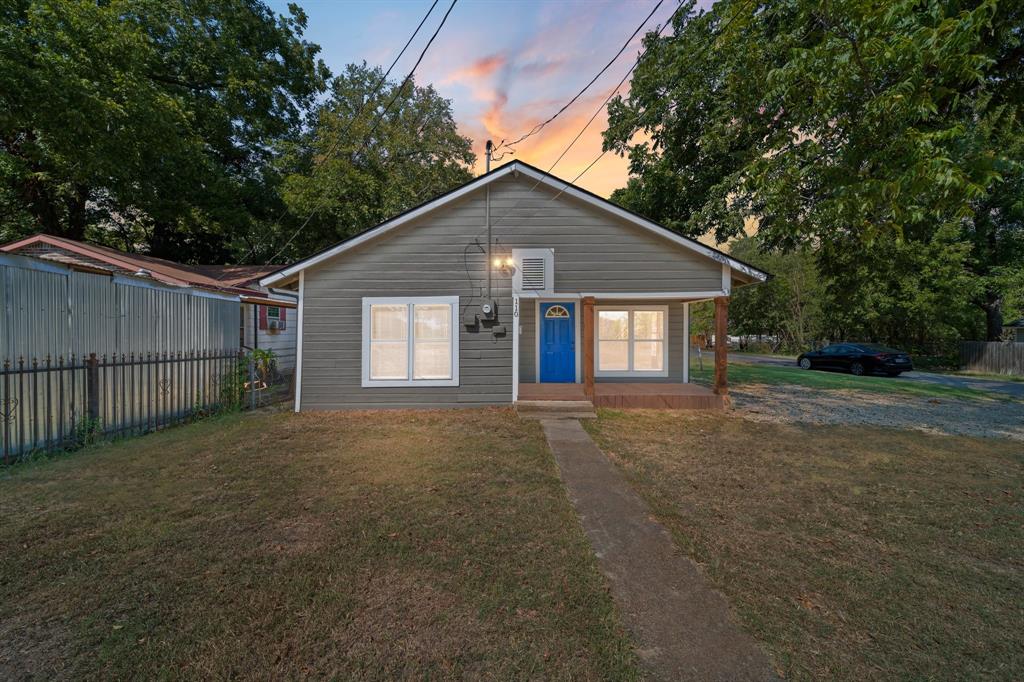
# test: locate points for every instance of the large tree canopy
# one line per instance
(853, 127)
(352, 170)
(159, 116)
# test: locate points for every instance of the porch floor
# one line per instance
(626, 395)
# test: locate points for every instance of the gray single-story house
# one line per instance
(515, 286)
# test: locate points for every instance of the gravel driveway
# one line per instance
(792, 403)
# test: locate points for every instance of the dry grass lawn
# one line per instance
(850, 553)
(399, 545)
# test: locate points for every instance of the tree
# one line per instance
(352, 170)
(861, 124)
(165, 109)
(789, 306)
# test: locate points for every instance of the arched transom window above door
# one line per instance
(556, 311)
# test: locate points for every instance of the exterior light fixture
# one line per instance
(506, 266)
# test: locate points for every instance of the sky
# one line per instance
(506, 65)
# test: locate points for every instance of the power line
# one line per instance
(382, 79)
(359, 113)
(380, 117)
(587, 125)
(537, 128)
(607, 99)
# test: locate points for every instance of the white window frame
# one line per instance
(663, 372)
(451, 301)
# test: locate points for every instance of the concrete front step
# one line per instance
(555, 409)
(555, 405)
(538, 414)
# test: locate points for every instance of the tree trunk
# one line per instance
(61, 216)
(993, 307)
(162, 241)
(40, 205)
(75, 228)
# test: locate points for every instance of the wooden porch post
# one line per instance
(721, 344)
(588, 346)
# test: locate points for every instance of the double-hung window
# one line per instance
(632, 341)
(410, 341)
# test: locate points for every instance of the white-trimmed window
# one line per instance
(411, 341)
(631, 341)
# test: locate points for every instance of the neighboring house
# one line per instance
(268, 327)
(1015, 330)
(570, 297)
(262, 322)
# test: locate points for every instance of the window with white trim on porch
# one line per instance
(631, 341)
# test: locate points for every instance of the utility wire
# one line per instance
(338, 140)
(587, 125)
(601, 155)
(367, 139)
(537, 128)
(376, 88)
(566, 186)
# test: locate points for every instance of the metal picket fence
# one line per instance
(59, 403)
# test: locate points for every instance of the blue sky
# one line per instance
(505, 64)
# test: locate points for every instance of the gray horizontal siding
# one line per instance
(594, 252)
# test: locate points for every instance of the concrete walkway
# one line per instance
(680, 624)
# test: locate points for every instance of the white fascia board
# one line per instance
(298, 344)
(655, 295)
(561, 186)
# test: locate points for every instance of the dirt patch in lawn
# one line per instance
(789, 403)
(851, 552)
(369, 545)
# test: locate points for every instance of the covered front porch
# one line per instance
(647, 368)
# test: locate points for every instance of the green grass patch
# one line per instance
(387, 545)
(743, 373)
(850, 553)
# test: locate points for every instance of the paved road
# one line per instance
(1013, 388)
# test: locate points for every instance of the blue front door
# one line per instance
(557, 342)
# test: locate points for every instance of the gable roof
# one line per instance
(233, 278)
(542, 177)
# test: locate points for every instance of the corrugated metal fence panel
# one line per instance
(164, 320)
(147, 322)
(48, 309)
(95, 314)
(36, 316)
(5, 323)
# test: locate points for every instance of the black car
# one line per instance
(857, 358)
